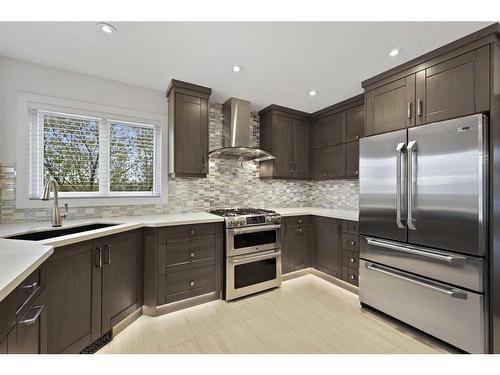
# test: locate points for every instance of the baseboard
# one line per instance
(180, 305)
(340, 283)
(127, 321)
(295, 274)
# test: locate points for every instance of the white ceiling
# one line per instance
(281, 61)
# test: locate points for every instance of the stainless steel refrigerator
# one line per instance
(423, 224)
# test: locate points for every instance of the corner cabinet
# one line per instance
(285, 133)
(91, 286)
(188, 116)
(444, 87)
(335, 134)
(296, 244)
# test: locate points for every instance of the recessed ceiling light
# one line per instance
(107, 28)
(236, 68)
(312, 93)
(394, 52)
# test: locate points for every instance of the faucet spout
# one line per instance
(56, 212)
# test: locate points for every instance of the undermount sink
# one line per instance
(52, 233)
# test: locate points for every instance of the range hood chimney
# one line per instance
(236, 134)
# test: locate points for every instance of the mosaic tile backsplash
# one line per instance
(229, 184)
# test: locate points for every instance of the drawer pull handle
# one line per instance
(353, 277)
(451, 292)
(353, 260)
(191, 283)
(31, 321)
(300, 230)
(352, 243)
(191, 254)
(30, 286)
(415, 251)
(300, 221)
(192, 232)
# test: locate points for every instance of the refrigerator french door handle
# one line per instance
(412, 148)
(399, 149)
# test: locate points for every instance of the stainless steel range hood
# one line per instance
(236, 134)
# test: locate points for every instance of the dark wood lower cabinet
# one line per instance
(74, 308)
(122, 286)
(327, 254)
(295, 252)
(29, 334)
(3, 347)
(91, 286)
(182, 262)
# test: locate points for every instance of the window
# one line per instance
(93, 156)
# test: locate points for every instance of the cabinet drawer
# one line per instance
(351, 259)
(350, 227)
(181, 232)
(25, 337)
(183, 282)
(23, 296)
(293, 221)
(350, 242)
(189, 251)
(351, 275)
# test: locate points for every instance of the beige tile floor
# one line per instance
(305, 315)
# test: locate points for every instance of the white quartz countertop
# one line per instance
(18, 259)
(325, 212)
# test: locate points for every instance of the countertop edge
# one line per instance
(13, 284)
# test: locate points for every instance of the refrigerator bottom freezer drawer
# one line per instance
(451, 314)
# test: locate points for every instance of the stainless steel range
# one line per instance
(252, 250)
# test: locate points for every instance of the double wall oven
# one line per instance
(252, 251)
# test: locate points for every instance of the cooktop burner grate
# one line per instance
(228, 212)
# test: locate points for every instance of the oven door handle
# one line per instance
(252, 229)
(255, 258)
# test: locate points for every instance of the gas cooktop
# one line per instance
(242, 217)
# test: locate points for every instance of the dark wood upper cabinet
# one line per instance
(327, 131)
(353, 125)
(438, 86)
(285, 133)
(300, 148)
(336, 131)
(121, 277)
(391, 106)
(327, 163)
(188, 115)
(350, 155)
(454, 88)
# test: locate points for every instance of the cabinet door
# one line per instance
(391, 106)
(121, 278)
(353, 126)
(287, 252)
(191, 134)
(301, 253)
(3, 347)
(327, 131)
(351, 160)
(301, 148)
(26, 336)
(454, 88)
(327, 256)
(73, 278)
(282, 146)
(328, 163)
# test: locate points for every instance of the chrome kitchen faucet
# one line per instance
(56, 212)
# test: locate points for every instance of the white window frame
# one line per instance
(29, 102)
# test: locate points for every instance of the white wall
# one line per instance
(19, 76)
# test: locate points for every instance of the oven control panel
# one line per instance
(253, 220)
(244, 221)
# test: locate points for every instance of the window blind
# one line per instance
(93, 155)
